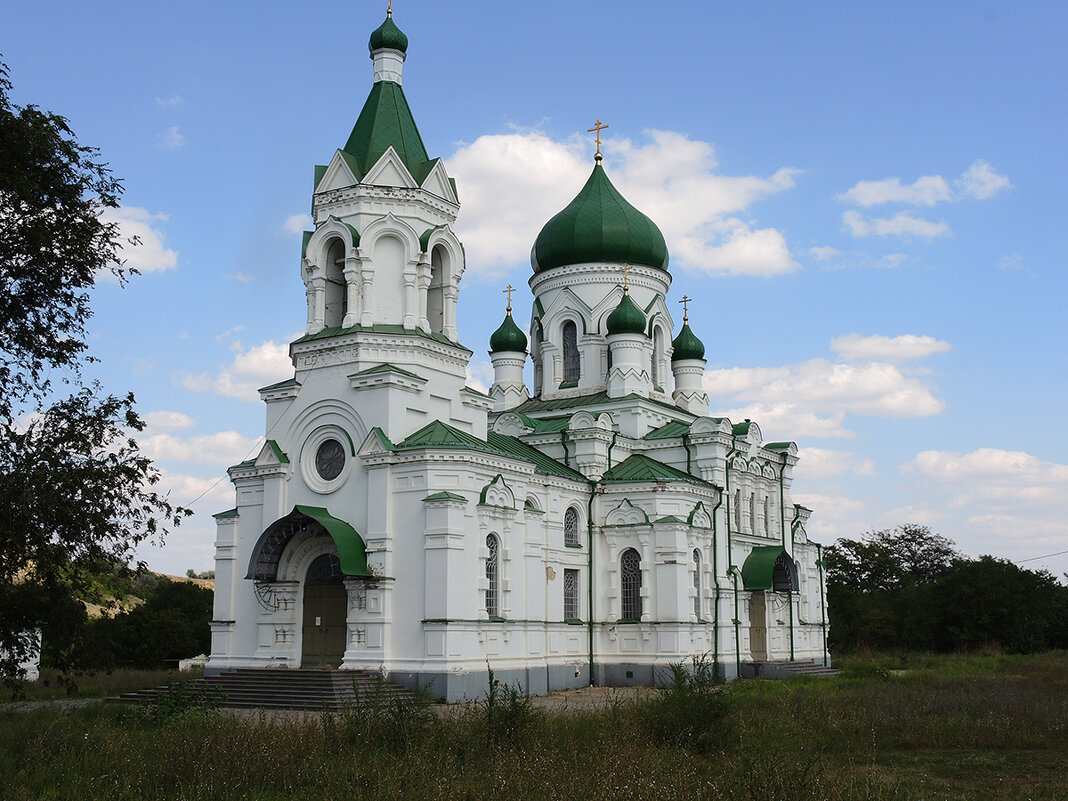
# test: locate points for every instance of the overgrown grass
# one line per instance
(939, 732)
(96, 684)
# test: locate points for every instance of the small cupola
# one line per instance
(508, 354)
(626, 318)
(389, 48)
(688, 367)
(686, 345)
(508, 338)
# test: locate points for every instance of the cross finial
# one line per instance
(600, 126)
(389, 8)
(685, 309)
(626, 290)
(509, 292)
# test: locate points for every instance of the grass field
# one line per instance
(988, 728)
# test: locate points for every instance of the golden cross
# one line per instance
(509, 292)
(625, 268)
(598, 127)
(685, 308)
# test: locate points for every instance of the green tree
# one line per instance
(75, 487)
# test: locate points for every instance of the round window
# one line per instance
(329, 460)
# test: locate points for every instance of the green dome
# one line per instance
(508, 338)
(686, 345)
(388, 35)
(626, 318)
(599, 225)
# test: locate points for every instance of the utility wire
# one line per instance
(1043, 556)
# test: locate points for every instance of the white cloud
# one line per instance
(823, 253)
(167, 421)
(812, 398)
(927, 190)
(981, 181)
(511, 184)
(251, 369)
(480, 375)
(830, 507)
(241, 278)
(297, 223)
(854, 347)
(220, 449)
(901, 224)
(171, 139)
(141, 242)
(822, 463)
(173, 100)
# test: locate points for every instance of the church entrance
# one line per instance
(325, 610)
(758, 626)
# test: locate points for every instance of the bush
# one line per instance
(692, 712)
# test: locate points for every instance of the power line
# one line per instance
(1044, 556)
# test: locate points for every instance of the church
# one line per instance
(594, 527)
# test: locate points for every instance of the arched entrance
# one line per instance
(325, 606)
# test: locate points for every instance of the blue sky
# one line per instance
(865, 200)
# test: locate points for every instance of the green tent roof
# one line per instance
(385, 121)
(599, 225)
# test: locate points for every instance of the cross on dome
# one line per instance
(598, 127)
(509, 292)
(685, 308)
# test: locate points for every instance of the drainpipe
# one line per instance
(611, 445)
(686, 445)
(823, 604)
(715, 578)
(732, 570)
(589, 571)
(563, 444)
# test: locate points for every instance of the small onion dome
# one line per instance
(508, 338)
(388, 35)
(626, 318)
(686, 345)
(599, 225)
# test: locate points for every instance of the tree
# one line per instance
(75, 487)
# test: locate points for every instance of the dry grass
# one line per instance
(945, 729)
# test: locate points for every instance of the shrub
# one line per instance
(692, 711)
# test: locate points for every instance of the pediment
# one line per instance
(437, 183)
(338, 175)
(389, 170)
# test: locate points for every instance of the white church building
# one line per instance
(592, 528)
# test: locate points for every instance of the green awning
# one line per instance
(769, 567)
(351, 550)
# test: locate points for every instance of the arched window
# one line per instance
(571, 354)
(767, 517)
(697, 583)
(658, 352)
(752, 513)
(738, 510)
(571, 594)
(337, 296)
(571, 533)
(435, 294)
(535, 355)
(784, 575)
(493, 576)
(630, 581)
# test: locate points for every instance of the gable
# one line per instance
(339, 174)
(389, 170)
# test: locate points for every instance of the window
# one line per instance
(435, 295)
(571, 354)
(493, 575)
(752, 513)
(571, 534)
(571, 594)
(738, 510)
(767, 518)
(630, 579)
(337, 296)
(697, 583)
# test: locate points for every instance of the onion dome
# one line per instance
(687, 346)
(508, 337)
(388, 35)
(599, 225)
(626, 318)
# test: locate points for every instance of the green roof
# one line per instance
(777, 446)
(279, 454)
(759, 567)
(687, 346)
(385, 121)
(741, 429)
(639, 467)
(441, 435)
(227, 513)
(508, 337)
(599, 225)
(289, 382)
(626, 318)
(542, 463)
(386, 367)
(350, 546)
(444, 496)
(388, 35)
(587, 402)
(669, 431)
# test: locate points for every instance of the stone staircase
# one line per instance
(283, 689)
(783, 669)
